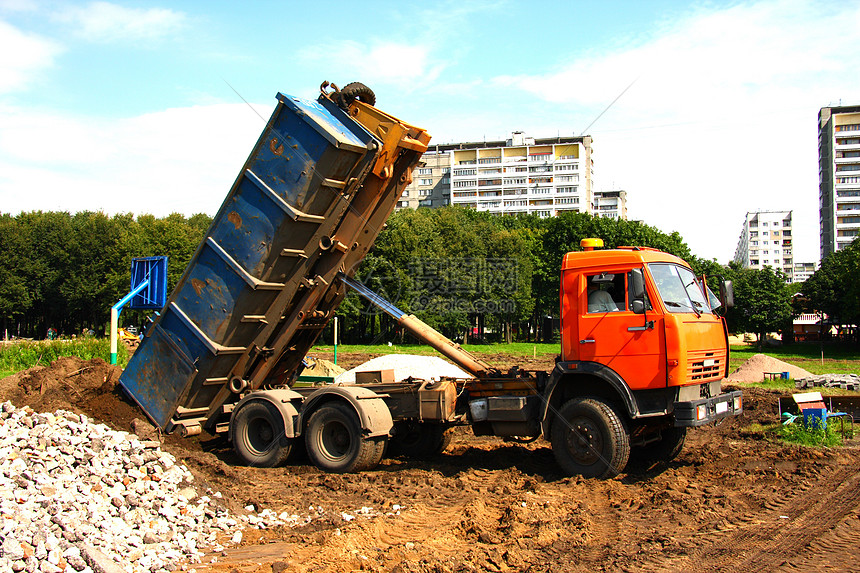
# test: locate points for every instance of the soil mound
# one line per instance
(321, 367)
(82, 386)
(753, 369)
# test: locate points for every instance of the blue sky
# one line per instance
(130, 106)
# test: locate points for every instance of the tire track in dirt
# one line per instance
(791, 523)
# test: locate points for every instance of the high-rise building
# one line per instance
(611, 204)
(765, 241)
(803, 271)
(543, 176)
(838, 176)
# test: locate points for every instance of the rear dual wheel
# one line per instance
(336, 443)
(258, 435)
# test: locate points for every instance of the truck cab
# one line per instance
(643, 351)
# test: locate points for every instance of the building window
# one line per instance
(425, 171)
(468, 183)
(573, 189)
(486, 160)
(460, 172)
(424, 192)
(425, 182)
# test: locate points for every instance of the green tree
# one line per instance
(835, 287)
(762, 302)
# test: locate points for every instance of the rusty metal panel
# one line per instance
(159, 359)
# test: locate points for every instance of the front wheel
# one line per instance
(589, 438)
(258, 435)
(335, 442)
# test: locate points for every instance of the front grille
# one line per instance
(705, 365)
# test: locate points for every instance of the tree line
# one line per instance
(64, 271)
(468, 274)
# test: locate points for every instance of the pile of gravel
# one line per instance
(78, 496)
(406, 366)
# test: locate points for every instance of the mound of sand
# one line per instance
(82, 386)
(321, 367)
(753, 369)
(407, 366)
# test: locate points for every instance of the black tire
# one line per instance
(665, 449)
(258, 435)
(420, 441)
(590, 439)
(335, 442)
(357, 90)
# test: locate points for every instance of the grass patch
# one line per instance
(815, 437)
(838, 358)
(23, 355)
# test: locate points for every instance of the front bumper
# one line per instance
(707, 410)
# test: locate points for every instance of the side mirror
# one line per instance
(637, 285)
(727, 294)
(638, 306)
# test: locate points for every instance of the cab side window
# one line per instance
(606, 292)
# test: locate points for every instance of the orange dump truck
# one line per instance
(642, 350)
(642, 355)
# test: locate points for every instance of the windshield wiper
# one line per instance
(679, 305)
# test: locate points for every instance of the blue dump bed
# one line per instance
(308, 203)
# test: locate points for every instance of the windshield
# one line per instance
(678, 288)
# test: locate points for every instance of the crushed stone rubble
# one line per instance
(76, 496)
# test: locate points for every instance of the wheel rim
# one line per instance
(335, 440)
(584, 441)
(260, 435)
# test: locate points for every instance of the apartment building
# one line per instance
(542, 176)
(611, 204)
(765, 241)
(803, 271)
(838, 177)
(431, 182)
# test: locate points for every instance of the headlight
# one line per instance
(737, 403)
(701, 412)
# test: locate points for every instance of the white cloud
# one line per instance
(178, 160)
(23, 57)
(375, 63)
(722, 118)
(18, 5)
(106, 22)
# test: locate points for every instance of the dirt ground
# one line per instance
(731, 501)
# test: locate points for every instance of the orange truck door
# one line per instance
(611, 334)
